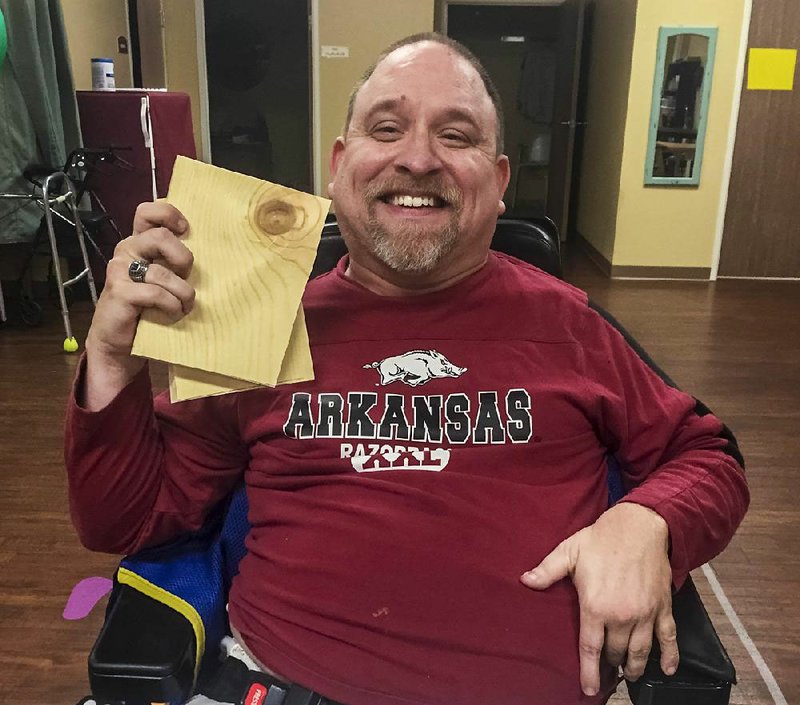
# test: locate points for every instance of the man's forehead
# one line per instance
(424, 59)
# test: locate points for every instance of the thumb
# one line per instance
(556, 565)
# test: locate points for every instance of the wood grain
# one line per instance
(297, 366)
(254, 244)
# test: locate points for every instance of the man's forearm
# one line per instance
(106, 376)
(703, 497)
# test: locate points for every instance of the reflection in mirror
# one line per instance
(683, 76)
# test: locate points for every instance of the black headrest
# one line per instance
(533, 241)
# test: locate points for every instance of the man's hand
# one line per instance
(621, 570)
(110, 365)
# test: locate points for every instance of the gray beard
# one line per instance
(412, 249)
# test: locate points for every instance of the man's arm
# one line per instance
(141, 474)
(687, 496)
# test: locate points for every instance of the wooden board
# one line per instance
(189, 383)
(254, 244)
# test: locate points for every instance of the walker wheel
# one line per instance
(70, 345)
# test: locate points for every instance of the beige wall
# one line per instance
(180, 58)
(366, 27)
(675, 226)
(92, 30)
(94, 25)
(607, 110)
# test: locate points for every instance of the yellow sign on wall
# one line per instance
(771, 69)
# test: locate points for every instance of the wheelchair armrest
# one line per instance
(705, 673)
(144, 653)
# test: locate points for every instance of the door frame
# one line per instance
(727, 167)
(202, 79)
(316, 115)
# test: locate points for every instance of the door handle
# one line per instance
(572, 123)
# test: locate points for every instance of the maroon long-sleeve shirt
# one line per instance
(448, 442)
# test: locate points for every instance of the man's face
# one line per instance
(416, 181)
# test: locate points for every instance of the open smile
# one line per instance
(414, 201)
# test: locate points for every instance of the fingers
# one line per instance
(666, 633)
(641, 641)
(158, 243)
(145, 295)
(156, 215)
(558, 564)
(640, 644)
(160, 277)
(155, 240)
(590, 646)
(162, 289)
(617, 645)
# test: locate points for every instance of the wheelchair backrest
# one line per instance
(535, 241)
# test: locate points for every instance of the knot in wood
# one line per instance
(276, 217)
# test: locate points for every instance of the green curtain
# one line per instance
(38, 113)
(3, 38)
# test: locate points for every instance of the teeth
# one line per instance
(413, 201)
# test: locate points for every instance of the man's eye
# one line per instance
(455, 138)
(385, 132)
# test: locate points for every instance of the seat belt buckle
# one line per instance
(261, 691)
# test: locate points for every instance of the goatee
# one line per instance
(410, 246)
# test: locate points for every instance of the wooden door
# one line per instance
(565, 120)
(150, 17)
(761, 237)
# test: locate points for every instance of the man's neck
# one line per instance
(392, 283)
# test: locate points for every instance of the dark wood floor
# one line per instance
(734, 344)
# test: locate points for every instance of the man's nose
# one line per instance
(418, 153)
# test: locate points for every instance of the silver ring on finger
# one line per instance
(137, 270)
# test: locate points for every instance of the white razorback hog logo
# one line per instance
(415, 367)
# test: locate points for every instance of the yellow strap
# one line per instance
(128, 577)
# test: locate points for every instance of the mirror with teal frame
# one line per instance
(678, 116)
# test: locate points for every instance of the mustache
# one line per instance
(431, 185)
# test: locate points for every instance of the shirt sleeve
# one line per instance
(676, 457)
(142, 471)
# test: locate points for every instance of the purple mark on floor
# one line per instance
(85, 595)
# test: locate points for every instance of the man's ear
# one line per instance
(503, 176)
(335, 161)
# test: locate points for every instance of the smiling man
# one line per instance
(429, 519)
(419, 175)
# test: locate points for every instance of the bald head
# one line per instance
(459, 50)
